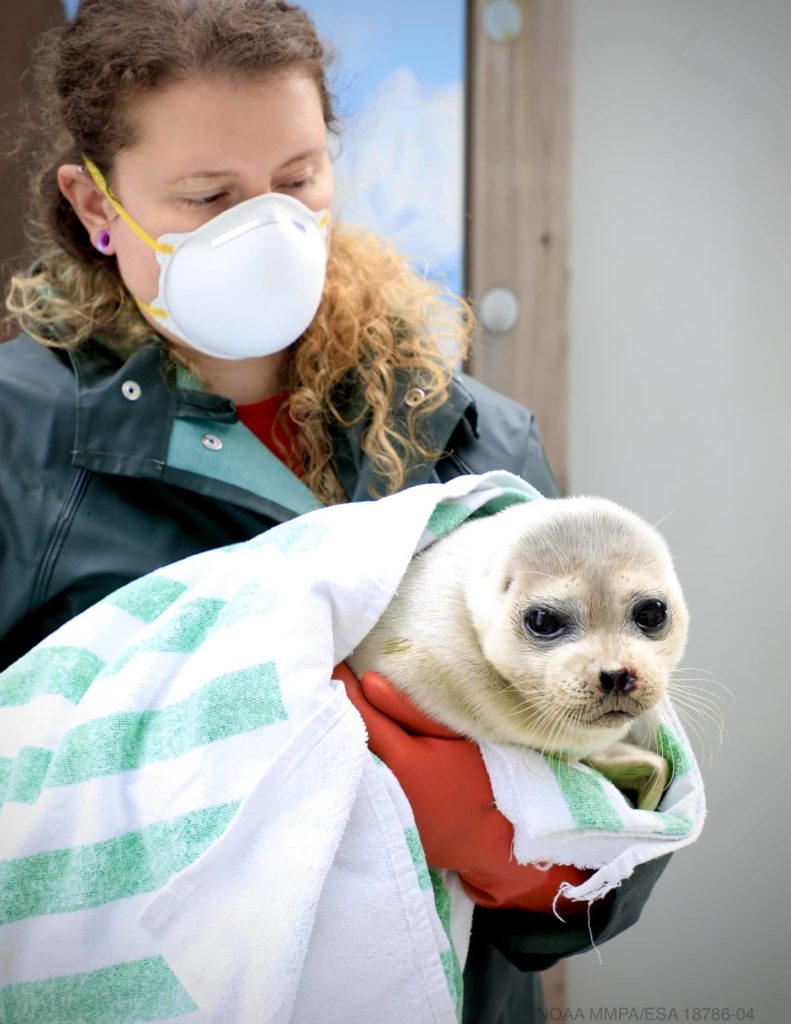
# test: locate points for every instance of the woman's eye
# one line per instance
(203, 200)
(545, 623)
(650, 615)
(296, 184)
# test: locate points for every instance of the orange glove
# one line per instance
(447, 785)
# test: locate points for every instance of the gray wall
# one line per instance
(681, 409)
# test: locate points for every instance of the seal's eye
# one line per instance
(650, 615)
(545, 623)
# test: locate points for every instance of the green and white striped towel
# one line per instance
(192, 827)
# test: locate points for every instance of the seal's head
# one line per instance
(576, 606)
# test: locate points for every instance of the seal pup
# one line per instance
(553, 624)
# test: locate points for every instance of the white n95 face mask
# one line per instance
(246, 283)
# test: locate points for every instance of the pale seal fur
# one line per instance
(553, 624)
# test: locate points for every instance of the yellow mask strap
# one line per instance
(154, 311)
(107, 192)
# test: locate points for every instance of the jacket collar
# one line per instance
(126, 409)
(358, 476)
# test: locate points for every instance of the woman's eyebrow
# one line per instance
(200, 174)
(304, 155)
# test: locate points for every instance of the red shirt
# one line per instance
(259, 417)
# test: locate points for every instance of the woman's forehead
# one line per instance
(222, 125)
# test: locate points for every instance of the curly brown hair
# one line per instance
(378, 320)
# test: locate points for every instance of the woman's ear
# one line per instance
(90, 206)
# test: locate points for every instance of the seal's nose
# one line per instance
(617, 682)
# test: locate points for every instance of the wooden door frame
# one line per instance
(517, 206)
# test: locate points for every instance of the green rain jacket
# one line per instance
(112, 468)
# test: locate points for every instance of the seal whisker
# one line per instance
(698, 699)
(659, 522)
(688, 677)
(686, 688)
(691, 709)
(685, 669)
(549, 717)
(691, 722)
(709, 711)
(682, 677)
(543, 714)
(694, 697)
(681, 688)
(707, 721)
(557, 730)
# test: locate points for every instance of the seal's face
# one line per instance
(582, 617)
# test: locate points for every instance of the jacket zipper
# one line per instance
(73, 498)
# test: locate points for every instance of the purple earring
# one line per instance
(103, 241)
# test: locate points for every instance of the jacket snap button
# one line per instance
(414, 396)
(131, 390)
(212, 442)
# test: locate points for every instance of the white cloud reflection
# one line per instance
(401, 171)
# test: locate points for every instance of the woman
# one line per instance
(166, 398)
